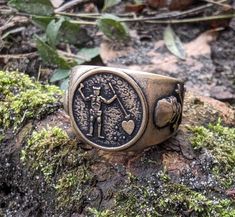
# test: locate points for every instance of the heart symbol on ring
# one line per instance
(128, 126)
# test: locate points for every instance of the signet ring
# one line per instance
(120, 109)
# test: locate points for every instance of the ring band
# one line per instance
(119, 109)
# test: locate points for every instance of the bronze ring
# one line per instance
(119, 109)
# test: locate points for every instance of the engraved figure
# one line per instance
(109, 110)
(95, 111)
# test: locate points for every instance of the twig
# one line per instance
(198, 9)
(18, 56)
(13, 31)
(160, 16)
(7, 24)
(69, 5)
(13, 22)
(39, 72)
(80, 15)
(219, 3)
(192, 20)
(72, 56)
(4, 10)
(82, 22)
(91, 15)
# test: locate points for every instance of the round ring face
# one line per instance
(108, 109)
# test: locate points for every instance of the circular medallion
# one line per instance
(108, 109)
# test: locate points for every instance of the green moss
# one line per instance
(46, 149)
(21, 99)
(96, 213)
(220, 141)
(157, 195)
(62, 163)
(43, 150)
(71, 187)
(157, 198)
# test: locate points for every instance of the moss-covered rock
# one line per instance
(45, 149)
(162, 197)
(71, 178)
(220, 141)
(67, 169)
(21, 98)
(61, 162)
(72, 188)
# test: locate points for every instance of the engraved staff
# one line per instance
(127, 116)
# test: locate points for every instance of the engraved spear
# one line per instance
(127, 116)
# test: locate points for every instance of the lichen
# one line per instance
(21, 98)
(220, 141)
(156, 197)
(59, 159)
(72, 187)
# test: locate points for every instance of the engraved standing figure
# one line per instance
(95, 111)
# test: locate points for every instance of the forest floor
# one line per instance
(208, 71)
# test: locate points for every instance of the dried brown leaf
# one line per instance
(170, 4)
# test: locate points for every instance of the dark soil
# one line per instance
(223, 52)
(215, 77)
(22, 193)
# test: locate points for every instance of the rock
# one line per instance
(52, 173)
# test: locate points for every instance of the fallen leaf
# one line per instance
(136, 8)
(173, 43)
(110, 3)
(170, 4)
(179, 4)
(90, 8)
(197, 70)
(155, 3)
(108, 54)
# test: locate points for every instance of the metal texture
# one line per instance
(119, 109)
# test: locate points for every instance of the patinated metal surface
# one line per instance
(117, 109)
